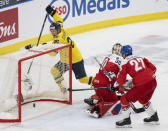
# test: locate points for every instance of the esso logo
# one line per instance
(62, 10)
(62, 7)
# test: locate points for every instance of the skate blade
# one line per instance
(125, 126)
(152, 123)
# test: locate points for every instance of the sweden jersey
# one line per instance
(63, 38)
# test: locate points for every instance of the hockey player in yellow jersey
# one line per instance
(60, 36)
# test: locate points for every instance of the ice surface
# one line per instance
(149, 39)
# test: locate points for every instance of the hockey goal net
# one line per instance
(26, 77)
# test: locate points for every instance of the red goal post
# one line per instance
(36, 72)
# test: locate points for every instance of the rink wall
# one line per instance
(20, 22)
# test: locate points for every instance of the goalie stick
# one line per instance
(136, 110)
(105, 72)
(83, 89)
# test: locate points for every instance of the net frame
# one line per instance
(69, 101)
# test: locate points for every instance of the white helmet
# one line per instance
(117, 49)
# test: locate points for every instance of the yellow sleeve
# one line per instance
(63, 38)
(53, 53)
(57, 18)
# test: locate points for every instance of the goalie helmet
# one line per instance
(117, 49)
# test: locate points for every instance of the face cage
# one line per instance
(117, 49)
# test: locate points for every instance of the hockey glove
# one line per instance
(121, 90)
(27, 47)
(111, 88)
(128, 85)
(50, 10)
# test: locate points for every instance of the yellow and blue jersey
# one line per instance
(63, 38)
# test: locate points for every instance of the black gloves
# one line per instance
(50, 10)
(27, 47)
(111, 88)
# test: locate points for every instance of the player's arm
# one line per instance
(57, 18)
(149, 65)
(54, 14)
(117, 86)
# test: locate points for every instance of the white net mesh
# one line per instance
(40, 83)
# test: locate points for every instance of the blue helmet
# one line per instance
(127, 50)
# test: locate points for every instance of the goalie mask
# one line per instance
(117, 49)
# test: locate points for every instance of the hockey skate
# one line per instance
(90, 101)
(125, 123)
(154, 120)
(94, 112)
(63, 86)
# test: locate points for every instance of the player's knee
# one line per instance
(54, 71)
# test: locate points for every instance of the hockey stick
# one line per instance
(84, 89)
(38, 42)
(136, 110)
(105, 72)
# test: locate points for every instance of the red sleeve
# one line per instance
(149, 65)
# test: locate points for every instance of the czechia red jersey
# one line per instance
(139, 68)
(111, 65)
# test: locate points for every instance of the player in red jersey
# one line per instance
(143, 77)
(104, 101)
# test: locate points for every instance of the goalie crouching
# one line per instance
(104, 102)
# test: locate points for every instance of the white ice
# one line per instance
(149, 39)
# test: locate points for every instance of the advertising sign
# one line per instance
(9, 25)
